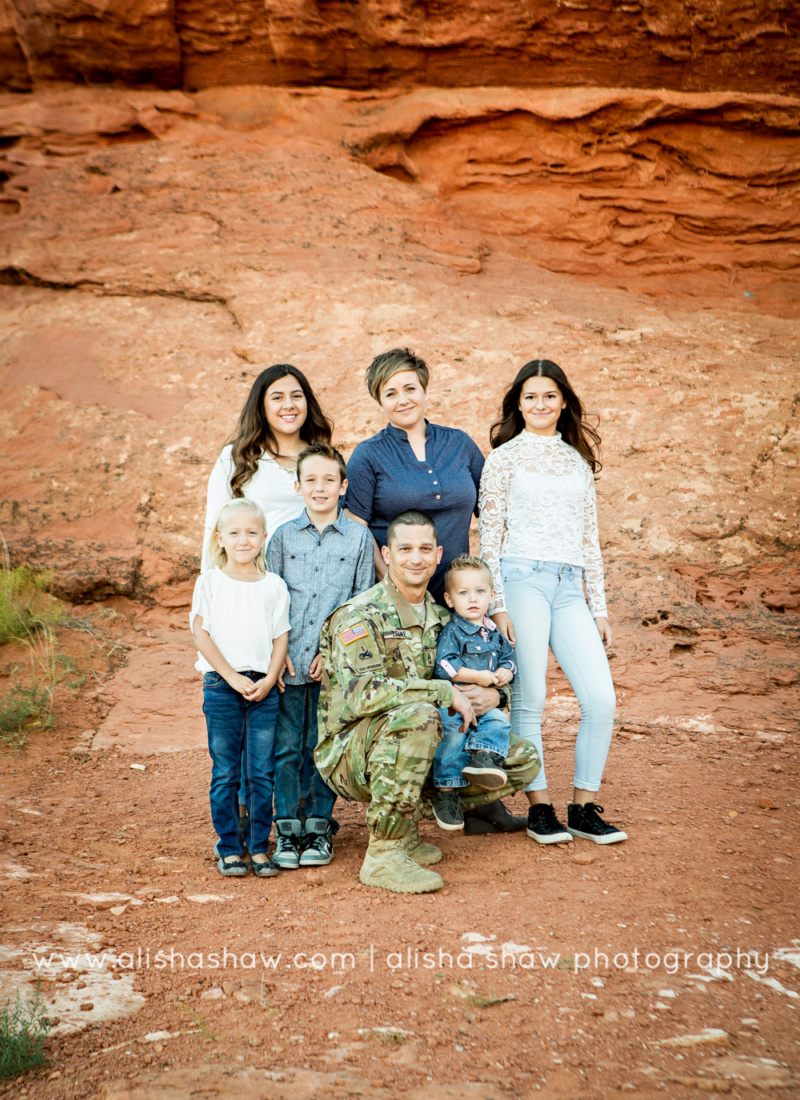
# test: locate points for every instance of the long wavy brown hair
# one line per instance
(573, 423)
(253, 436)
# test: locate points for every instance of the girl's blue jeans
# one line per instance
(295, 741)
(548, 609)
(241, 734)
(452, 752)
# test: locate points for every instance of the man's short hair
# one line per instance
(322, 450)
(412, 517)
(459, 564)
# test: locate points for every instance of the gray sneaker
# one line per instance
(317, 846)
(485, 769)
(289, 834)
(448, 811)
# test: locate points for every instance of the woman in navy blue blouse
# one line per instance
(413, 463)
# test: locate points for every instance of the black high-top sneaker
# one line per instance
(543, 825)
(585, 821)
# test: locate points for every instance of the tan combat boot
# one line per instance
(420, 851)
(388, 865)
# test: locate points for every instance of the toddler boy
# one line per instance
(325, 558)
(471, 650)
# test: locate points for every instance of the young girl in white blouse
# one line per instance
(240, 622)
(539, 535)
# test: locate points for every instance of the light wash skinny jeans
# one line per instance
(548, 609)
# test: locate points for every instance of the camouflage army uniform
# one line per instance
(379, 722)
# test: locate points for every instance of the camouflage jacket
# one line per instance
(376, 656)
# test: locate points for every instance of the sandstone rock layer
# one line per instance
(371, 44)
(162, 248)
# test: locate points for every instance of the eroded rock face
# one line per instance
(376, 43)
(166, 247)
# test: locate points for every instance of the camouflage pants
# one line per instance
(388, 758)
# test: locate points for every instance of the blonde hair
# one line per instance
(215, 553)
(461, 564)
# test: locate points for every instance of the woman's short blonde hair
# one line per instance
(215, 554)
(390, 363)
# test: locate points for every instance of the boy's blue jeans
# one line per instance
(241, 734)
(295, 741)
(452, 753)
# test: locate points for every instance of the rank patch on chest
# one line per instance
(353, 633)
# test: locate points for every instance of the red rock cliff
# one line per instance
(701, 46)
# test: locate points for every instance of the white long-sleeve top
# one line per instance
(271, 488)
(538, 501)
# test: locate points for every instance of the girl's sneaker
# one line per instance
(585, 821)
(543, 825)
(289, 833)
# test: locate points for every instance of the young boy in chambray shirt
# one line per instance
(470, 650)
(325, 558)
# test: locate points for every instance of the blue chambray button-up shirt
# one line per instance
(385, 477)
(322, 570)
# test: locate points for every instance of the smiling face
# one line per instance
(320, 484)
(469, 593)
(285, 407)
(541, 402)
(241, 535)
(412, 556)
(402, 398)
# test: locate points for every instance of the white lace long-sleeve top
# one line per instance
(538, 501)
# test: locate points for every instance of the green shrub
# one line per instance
(22, 707)
(24, 606)
(22, 1034)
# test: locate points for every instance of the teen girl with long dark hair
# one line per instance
(539, 535)
(281, 416)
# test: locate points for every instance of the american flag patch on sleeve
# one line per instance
(353, 634)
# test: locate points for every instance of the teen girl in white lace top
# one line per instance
(539, 536)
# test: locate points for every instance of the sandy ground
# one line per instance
(669, 962)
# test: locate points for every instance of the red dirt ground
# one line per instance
(707, 871)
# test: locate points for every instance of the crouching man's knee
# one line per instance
(523, 763)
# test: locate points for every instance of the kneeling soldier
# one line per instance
(379, 720)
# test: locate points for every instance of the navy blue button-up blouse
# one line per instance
(385, 477)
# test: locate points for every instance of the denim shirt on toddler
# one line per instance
(478, 646)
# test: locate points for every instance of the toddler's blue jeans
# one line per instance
(452, 752)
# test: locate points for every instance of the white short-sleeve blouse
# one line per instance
(242, 617)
